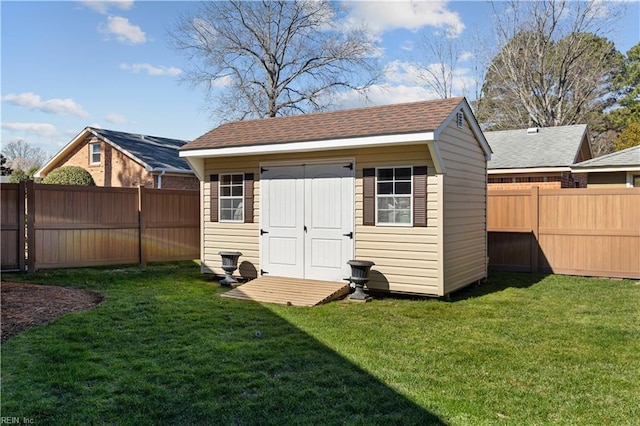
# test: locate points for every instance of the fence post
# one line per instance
(535, 228)
(22, 190)
(31, 232)
(142, 227)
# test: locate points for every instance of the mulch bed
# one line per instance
(25, 306)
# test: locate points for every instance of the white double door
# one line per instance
(307, 220)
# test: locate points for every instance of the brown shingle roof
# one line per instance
(396, 119)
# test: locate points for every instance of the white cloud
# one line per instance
(383, 94)
(403, 73)
(224, 81)
(381, 16)
(123, 30)
(410, 74)
(103, 6)
(151, 69)
(116, 118)
(465, 56)
(56, 106)
(41, 129)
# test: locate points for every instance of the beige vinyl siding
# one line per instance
(406, 258)
(219, 236)
(465, 204)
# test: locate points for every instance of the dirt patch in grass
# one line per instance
(25, 306)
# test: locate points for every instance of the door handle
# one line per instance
(305, 229)
(350, 235)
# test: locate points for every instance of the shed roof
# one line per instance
(627, 158)
(547, 147)
(397, 119)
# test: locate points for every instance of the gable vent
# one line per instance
(532, 130)
(459, 119)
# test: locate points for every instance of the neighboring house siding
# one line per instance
(404, 256)
(465, 204)
(608, 180)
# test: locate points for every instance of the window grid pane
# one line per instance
(394, 193)
(95, 153)
(231, 197)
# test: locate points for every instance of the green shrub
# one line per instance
(69, 175)
(19, 175)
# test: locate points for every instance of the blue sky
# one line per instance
(68, 65)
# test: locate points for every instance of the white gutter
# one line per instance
(320, 145)
(196, 157)
(529, 170)
(595, 169)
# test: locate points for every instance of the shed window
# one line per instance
(94, 153)
(231, 198)
(636, 181)
(393, 196)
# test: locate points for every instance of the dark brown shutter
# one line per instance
(214, 198)
(420, 196)
(248, 198)
(369, 197)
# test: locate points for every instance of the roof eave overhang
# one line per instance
(529, 170)
(170, 170)
(606, 169)
(316, 146)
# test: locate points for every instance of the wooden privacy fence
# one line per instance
(12, 222)
(75, 226)
(593, 232)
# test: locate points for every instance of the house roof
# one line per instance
(546, 148)
(627, 159)
(155, 154)
(415, 117)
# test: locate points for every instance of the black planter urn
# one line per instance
(229, 264)
(360, 276)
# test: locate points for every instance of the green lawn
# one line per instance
(164, 348)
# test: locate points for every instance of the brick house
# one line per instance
(541, 157)
(119, 159)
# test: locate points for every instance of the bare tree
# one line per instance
(22, 156)
(553, 67)
(440, 56)
(268, 58)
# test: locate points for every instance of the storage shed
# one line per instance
(402, 185)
